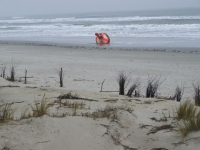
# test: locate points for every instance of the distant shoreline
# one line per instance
(102, 47)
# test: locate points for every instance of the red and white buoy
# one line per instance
(102, 38)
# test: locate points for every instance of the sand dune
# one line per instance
(132, 121)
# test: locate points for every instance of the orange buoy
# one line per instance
(102, 38)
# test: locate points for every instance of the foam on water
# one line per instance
(129, 25)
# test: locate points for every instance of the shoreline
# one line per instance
(131, 47)
(102, 47)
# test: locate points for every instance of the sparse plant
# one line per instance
(25, 114)
(68, 96)
(152, 86)
(13, 66)
(133, 88)
(185, 111)
(40, 108)
(123, 81)
(188, 117)
(3, 69)
(197, 94)
(178, 93)
(107, 112)
(6, 113)
(69, 104)
(58, 114)
(187, 126)
(137, 92)
(75, 107)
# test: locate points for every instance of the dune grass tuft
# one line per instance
(123, 80)
(185, 111)
(6, 113)
(152, 86)
(179, 91)
(188, 117)
(76, 104)
(25, 114)
(107, 112)
(40, 108)
(75, 107)
(197, 94)
(187, 126)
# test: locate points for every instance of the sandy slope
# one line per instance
(84, 71)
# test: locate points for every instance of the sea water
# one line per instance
(175, 28)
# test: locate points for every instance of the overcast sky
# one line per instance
(35, 7)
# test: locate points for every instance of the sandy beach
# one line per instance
(129, 127)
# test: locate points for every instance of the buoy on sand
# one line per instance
(102, 38)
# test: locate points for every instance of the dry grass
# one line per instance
(75, 107)
(25, 114)
(133, 88)
(197, 94)
(6, 113)
(107, 112)
(187, 126)
(152, 86)
(76, 104)
(185, 111)
(58, 114)
(3, 69)
(189, 118)
(40, 108)
(68, 96)
(159, 128)
(178, 93)
(123, 81)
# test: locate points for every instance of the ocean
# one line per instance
(175, 28)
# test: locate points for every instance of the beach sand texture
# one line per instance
(84, 71)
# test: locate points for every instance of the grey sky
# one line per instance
(34, 7)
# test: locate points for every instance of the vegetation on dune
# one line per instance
(40, 108)
(197, 94)
(188, 118)
(185, 111)
(6, 113)
(123, 81)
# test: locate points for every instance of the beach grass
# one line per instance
(187, 126)
(197, 94)
(25, 114)
(40, 108)
(185, 111)
(6, 113)
(188, 117)
(123, 80)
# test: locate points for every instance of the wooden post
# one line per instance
(102, 85)
(61, 77)
(25, 76)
